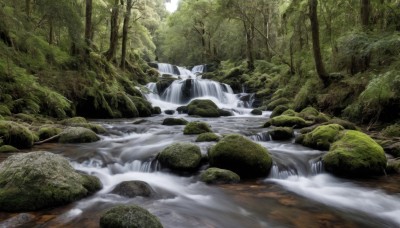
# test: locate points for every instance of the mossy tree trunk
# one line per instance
(112, 50)
(88, 23)
(28, 7)
(365, 13)
(129, 5)
(249, 45)
(319, 64)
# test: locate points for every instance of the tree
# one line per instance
(365, 13)
(129, 5)
(319, 64)
(112, 50)
(88, 24)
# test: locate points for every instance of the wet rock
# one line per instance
(393, 166)
(18, 220)
(180, 157)
(224, 112)
(393, 149)
(132, 189)
(219, 176)
(48, 131)
(78, 135)
(290, 112)
(16, 135)
(256, 112)
(321, 137)
(139, 121)
(129, 216)
(207, 137)
(289, 121)
(355, 154)
(156, 110)
(194, 128)
(169, 112)
(280, 101)
(8, 149)
(182, 110)
(240, 155)
(278, 110)
(203, 108)
(143, 106)
(281, 133)
(174, 121)
(163, 84)
(37, 180)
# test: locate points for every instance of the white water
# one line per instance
(198, 69)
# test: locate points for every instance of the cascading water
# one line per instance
(199, 69)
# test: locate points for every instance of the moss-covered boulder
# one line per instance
(48, 131)
(280, 101)
(143, 106)
(321, 137)
(219, 176)
(38, 180)
(355, 154)
(281, 133)
(344, 123)
(240, 155)
(132, 216)
(132, 189)
(256, 112)
(182, 110)
(16, 135)
(289, 121)
(174, 121)
(278, 110)
(308, 113)
(73, 121)
(225, 112)
(208, 137)
(78, 135)
(290, 112)
(8, 149)
(156, 110)
(203, 108)
(169, 112)
(180, 157)
(195, 128)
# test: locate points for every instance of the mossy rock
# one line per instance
(78, 135)
(224, 112)
(289, 112)
(391, 131)
(322, 118)
(281, 133)
(322, 137)
(195, 128)
(219, 176)
(4, 110)
(278, 110)
(182, 110)
(344, 123)
(174, 121)
(49, 131)
(39, 180)
(8, 149)
(280, 101)
(169, 112)
(144, 107)
(73, 121)
(289, 121)
(393, 166)
(393, 149)
(156, 110)
(203, 108)
(240, 155)
(16, 135)
(355, 154)
(308, 113)
(97, 128)
(256, 112)
(25, 117)
(208, 137)
(129, 216)
(133, 189)
(180, 157)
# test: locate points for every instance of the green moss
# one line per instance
(78, 135)
(281, 133)
(207, 137)
(129, 216)
(355, 154)
(4, 110)
(289, 112)
(15, 134)
(289, 121)
(256, 112)
(46, 132)
(97, 128)
(8, 149)
(391, 131)
(156, 110)
(74, 120)
(240, 155)
(144, 107)
(309, 113)
(194, 128)
(344, 123)
(25, 117)
(322, 137)
(219, 176)
(203, 108)
(181, 157)
(174, 121)
(280, 101)
(278, 110)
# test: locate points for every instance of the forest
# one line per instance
(324, 74)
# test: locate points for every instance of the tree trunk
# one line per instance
(129, 5)
(51, 32)
(28, 7)
(249, 46)
(88, 23)
(112, 50)
(319, 64)
(365, 13)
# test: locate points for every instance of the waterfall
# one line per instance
(198, 69)
(166, 68)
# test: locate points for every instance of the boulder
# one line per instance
(321, 137)
(290, 112)
(281, 133)
(73, 120)
(344, 123)
(278, 110)
(309, 113)
(280, 101)
(207, 137)
(393, 166)
(224, 112)
(180, 157)
(393, 149)
(355, 154)
(132, 189)
(203, 108)
(156, 110)
(256, 112)
(194, 128)
(8, 149)
(240, 155)
(182, 110)
(48, 131)
(38, 180)
(16, 135)
(129, 216)
(143, 106)
(219, 176)
(78, 135)
(174, 121)
(169, 112)
(289, 121)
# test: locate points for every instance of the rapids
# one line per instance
(297, 192)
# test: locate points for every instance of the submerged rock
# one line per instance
(174, 121)
(78, 135)
(194, 128)
(16, 135)
(132, 189)
(181, 157)
(129, 216)
(281, 133)
(219, 176)
(355, 154)
(240, 155)
(256, 112)
(37, 180)
(203, 108)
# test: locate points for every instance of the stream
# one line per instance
(297, 192)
